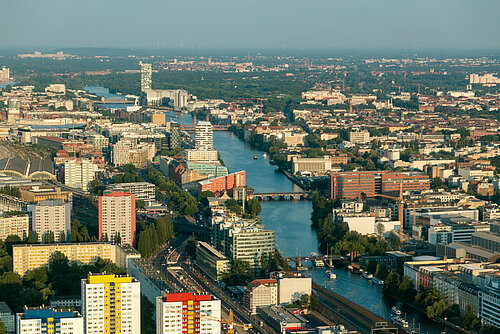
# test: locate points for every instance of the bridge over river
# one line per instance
(282, 196)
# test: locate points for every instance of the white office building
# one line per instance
(51, 216)
(41, 320)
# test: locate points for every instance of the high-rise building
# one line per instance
(78, 173)
(51, 216)
(42, 320)
(117, 216)
(4, 75)
(261, 292)
(204, 136)
(146, 76)
(175, 135)
(111, 304)
(17, 224)
(32, 256)
(188, 313)
(121, 151)
(245, 240)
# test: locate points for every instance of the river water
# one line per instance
(294, 235)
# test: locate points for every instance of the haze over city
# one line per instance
(258, 24)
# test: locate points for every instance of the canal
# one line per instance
(294, 235)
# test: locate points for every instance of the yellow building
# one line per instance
(32, 256)
(111, 304)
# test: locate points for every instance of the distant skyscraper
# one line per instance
(111, 304)
(146, 76)
(117, 216)
(204, 139)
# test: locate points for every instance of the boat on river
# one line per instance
(399, 321)
(377, 281)
(319, 263)
(367, 275)
(395, 310)
(255, 157)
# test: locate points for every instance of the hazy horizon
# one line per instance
(255, 25)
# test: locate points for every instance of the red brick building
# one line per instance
(350, 185)
(223, 184)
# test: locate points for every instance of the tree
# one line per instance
(470, 320)
(253, 207)
(117, 239)
(380, 230)
(140, 204)
(2, 327)
(62, 237)
(32, 237)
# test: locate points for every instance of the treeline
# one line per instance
(11, 191)
(335, 237)
(59, 278)
(130, 174)
(180, 200)
(153, 236)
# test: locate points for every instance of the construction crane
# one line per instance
(253, 99)
(229, 322)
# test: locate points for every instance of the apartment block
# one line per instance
(142, 190)
(359, 137)
(51, 216)
(78, 173)
(14, 225)
(41, 320)
(212, 262)
(32, 256)
(219, 185)
(261, 292)
(188, 313)
(244, 240)
(316, 166)
(117, 216)
(111, 304)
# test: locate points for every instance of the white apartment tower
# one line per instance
(111, 304)
(204, 139)
(188, 313)
(78, 173)
(146, 76)
(51, 216)
(117, 216)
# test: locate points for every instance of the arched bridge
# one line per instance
(281, 196)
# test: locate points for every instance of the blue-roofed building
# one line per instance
(44, 320)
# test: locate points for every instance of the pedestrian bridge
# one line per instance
(281, 196)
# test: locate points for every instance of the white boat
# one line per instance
(396, 311)
(400, 321)
(319, 263)
(377, 281)
(367, 275)
(333, 276)
(264, 155)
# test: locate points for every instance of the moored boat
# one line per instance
(377, 281)
(367, 275)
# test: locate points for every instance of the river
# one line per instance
(294, 235)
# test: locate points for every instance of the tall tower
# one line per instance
(204, 136)
(117, 216)
(146, 75)
(111, 304)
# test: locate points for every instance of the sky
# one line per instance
(251, 24)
